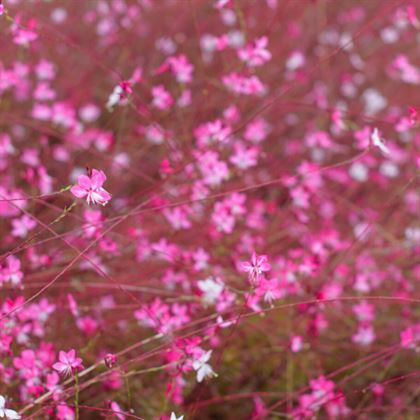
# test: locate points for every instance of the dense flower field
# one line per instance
(209, 209)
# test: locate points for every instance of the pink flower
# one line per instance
(243, 85)
(64, 412)
(256, 267)
(255, 54)
(410, 337)
(181, 67)
(68, 362)
(364, 336)
(91, 187)
(22, 226)
(162, 99)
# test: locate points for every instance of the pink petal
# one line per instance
(254, 259)
(98, 179)
(84, 181)
(246, 266)
(77, 191)
(105, 195)
(71, 354)
(62, 356)
(59, 366)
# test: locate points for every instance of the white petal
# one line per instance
(201, 374)
(206, 356)
(12, 414)
(2, 402)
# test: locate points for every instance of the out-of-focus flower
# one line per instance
(7, 412)
(203, 369)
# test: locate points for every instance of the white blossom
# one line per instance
(203, 369)
(211, 290)
(6, 412)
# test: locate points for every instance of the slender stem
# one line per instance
(76, 393)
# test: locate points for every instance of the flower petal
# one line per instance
(98, 179)
(77, 191)
(84, 181)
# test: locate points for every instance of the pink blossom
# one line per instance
(162, 99)
(68, 362)
(255, 54)
(256, 267)
(244, 85)
(22, 226)
(91, 188)
(410, 337)
(181, 67)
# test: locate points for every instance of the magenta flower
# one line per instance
(91, 188)
(68, 362)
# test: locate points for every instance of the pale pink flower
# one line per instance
(22, 226)
(364, 336)
(162, 99)
(296, 343)
(243, 85)
(255, 54)
(91, 188)
(181, 67)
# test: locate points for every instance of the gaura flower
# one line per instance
(68, 362)
(6, 412)
(203, 369)
(91, 188)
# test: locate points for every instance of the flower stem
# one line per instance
(76, 394)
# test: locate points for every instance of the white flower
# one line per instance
(174, 417)
(378, 142)
(202, 368)
(211, 290)
(6, 412)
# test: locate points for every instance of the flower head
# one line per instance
(91, 188)
(68, 362)
(256, 267)
(203, 369)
